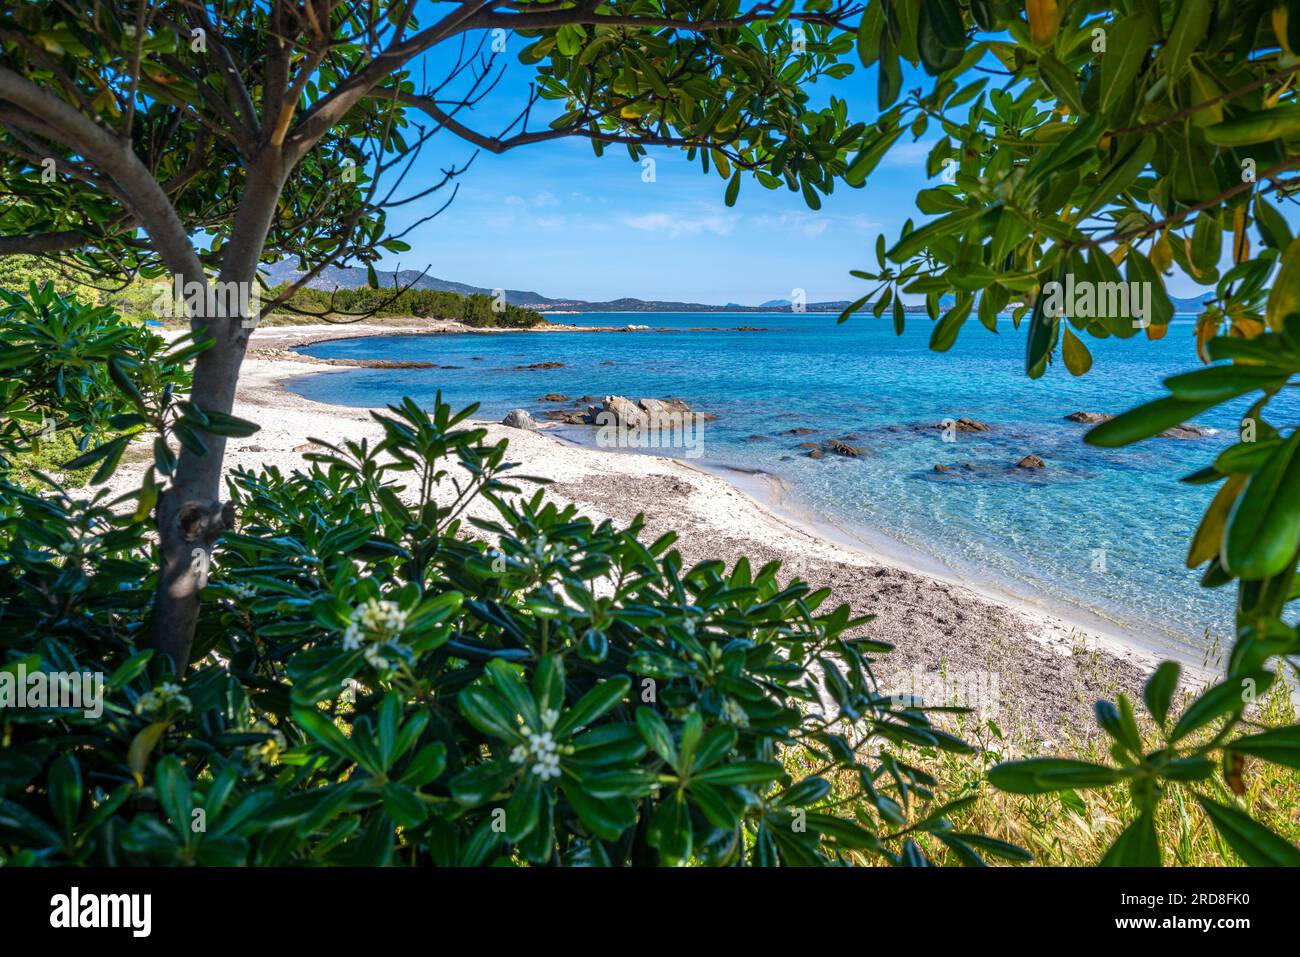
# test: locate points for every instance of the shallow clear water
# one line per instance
(1102, 532)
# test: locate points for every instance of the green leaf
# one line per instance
(952, 224)
(654, 731)
(479, 784)
(1256, 844)
(403, 805)
(607, 818)
(670, 830)
(1190, 24)
(1127, 43)
(1158, 692)
(1146, 421)
(946, 329)
(172, 786)
(741, 773)
(1261, 126)
(733, 189)
(1278, 745)
(322, 730)
(1136, 846)
(64, 786)
(1041, 340)
(1284, 299)
(1263, 528)
(1229, 696)
(596, 702)
(1061, 81)
(427, 765)
(1039, 775)
(1078, 360)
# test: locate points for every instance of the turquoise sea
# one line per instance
(1097, 534)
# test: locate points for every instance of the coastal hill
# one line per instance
(356, 277)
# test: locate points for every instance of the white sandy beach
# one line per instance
(1048, 670)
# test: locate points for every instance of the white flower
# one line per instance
(547, 769)
(542, 750)
(376, 625)
(164, 696)
(735, 713)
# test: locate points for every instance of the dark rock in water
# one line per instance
(1186, 431)
(553, 397)
(587, 400)
(815, 454)
(757, 438)
(850, 437)
(801, 431)
(567, 416)
(963, 424)
(843, 448)
(1031, 462)
(451, 367)
(519, 419)
(1089, 418)
(810, 445)
(943, 468)
(608, 362)
(541, 365)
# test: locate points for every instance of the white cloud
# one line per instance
(681, 225)
(800, 224)
(909, 154)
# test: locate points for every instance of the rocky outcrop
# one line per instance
(963, 424)
(553, 397)
(818, 450)
(568, 416)
(519, 419)
(1185, 431)
(1031, 462)
(541, 365)
(626, 413)
(843, 448)
(621, 411)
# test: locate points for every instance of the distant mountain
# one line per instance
(1189, 305)
(355, 277)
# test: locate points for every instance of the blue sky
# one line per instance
(555, 219)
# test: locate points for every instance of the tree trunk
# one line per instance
(190, 515)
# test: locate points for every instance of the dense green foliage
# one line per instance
(374, 684)
(78, 376)
(1145, 134)
(481, 311)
